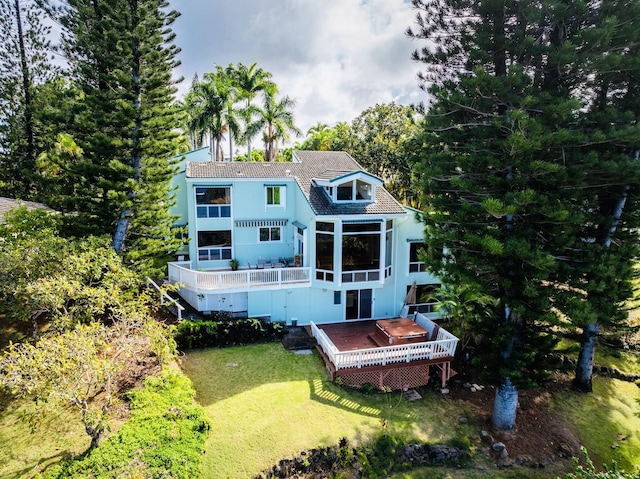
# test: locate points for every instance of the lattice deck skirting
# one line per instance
(392, 378)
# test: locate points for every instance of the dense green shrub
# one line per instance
(226, 331)
(164, 436)
(384, 456)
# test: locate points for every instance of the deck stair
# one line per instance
(297, 338)
(375, 339)
(173, 302)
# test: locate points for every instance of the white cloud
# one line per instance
(334, 57)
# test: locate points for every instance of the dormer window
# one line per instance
(357, 190)
(351, 187)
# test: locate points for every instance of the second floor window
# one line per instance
(213, 202)
(415, 250)
(275, 195)
(214, 245)
(361, 252)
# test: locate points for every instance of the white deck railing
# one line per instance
(444, 346)
(245, 279)
(165, 297)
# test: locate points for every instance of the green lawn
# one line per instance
(606, 421)
(23, 453)
(267, 403)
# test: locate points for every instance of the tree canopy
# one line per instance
(512, 170)
(376, 138)
(97, 316)
(222, 103)
(25, 65)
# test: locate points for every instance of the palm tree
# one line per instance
(319, 137)
(317, 129)
(250, 81)
(231, 92)
(276, 120)
(210, 110)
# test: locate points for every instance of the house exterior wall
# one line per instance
(315, 299)
(179, 183)
(248, 202)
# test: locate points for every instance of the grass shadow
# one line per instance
(611, 410)
(49, 461)
(220, 373)
(330, 398)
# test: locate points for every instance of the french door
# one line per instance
(359, 304)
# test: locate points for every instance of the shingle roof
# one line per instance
(8, 203)
(311, 164)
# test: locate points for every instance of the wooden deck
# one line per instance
(354, 352)
(351, 336)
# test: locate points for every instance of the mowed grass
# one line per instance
(606, 421)
(23, 452)
(267, 403)
(625, 362)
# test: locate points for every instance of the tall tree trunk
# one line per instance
(212, 149)
(219, 153)
(246, 126)
(584, 368)
(505, 406)
(26, 90)
(126, 214)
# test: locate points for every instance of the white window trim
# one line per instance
(353, 199)
(420, 265)
(270, 240)
(283, 196)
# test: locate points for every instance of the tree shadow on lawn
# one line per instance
(40, 465)
(221, 373)
(606, 421)
(25, 451)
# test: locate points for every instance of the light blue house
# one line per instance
(316, 240)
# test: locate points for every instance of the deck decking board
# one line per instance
(351, 336)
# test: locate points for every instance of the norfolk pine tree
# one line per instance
(97, 52)
(146, 223)
(25, 63)
(495, 158)
(602, 262)
(122, 57)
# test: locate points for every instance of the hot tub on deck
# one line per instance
(400, 331)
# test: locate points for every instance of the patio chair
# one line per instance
(260, 264)
(275, 262)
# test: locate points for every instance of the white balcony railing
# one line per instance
(444, 346)
(217, 281)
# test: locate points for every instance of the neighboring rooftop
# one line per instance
(310, 165)
(7, 204)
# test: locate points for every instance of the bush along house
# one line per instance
(318, 242)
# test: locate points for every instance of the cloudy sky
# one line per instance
(334, 57)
